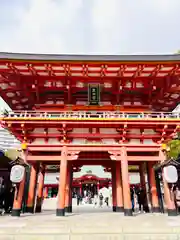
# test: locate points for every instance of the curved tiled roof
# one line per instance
(74, 57)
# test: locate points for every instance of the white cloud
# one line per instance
(46, 16)
(45, 25)
(164, 6)
(108, 24)
(90, 26)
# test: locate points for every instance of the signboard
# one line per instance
(132, 167)
(17, 173)
(170, 174)
(94, 94)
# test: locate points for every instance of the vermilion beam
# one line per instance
(46, 158)
(99, 136)
(58, 158)
(31, 128)
(105, 148)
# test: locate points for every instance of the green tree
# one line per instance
(174, 147)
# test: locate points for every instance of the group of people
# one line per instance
(139, 198)
(87, 197)
(139, 194)
(6, 196)
(100, 200)
(97, 199)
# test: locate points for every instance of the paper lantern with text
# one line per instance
(170, 174)
(17, 173)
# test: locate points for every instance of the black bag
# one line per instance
(146, 208)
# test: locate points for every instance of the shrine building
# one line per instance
(76, 110)
(89, 181)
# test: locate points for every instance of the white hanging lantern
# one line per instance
(17, 173)
(170, 174)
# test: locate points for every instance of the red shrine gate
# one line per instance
(49, 95)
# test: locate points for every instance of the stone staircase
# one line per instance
(88, 223)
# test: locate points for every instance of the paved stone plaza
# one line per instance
(88, 223)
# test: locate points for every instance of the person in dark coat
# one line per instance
(141, 197)
(10, 200)
(79, 198)
(132, 198)
(107, 201)
(101, 197)
(2, 195)
(9, 197)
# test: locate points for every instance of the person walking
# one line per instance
(9, 198)
(79, 198)
(132, 198)
(107, 201)
(2, 195)
(95, 200)
(142, 200)
(101, 200)
(177, 199)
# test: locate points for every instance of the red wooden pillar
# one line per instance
(169, 200)
(32, 188)
(70, 191)
(143, 179)
(119, 194)
(142, 176)
(125, 183)
(114, 199)
(39, 199)
(46, 192)
(153, 189)
(68, 206)
(168, 196)
(60, 211)
(98, 185)
(80, 189)
(18, 197)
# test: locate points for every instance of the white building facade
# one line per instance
(7, 140)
